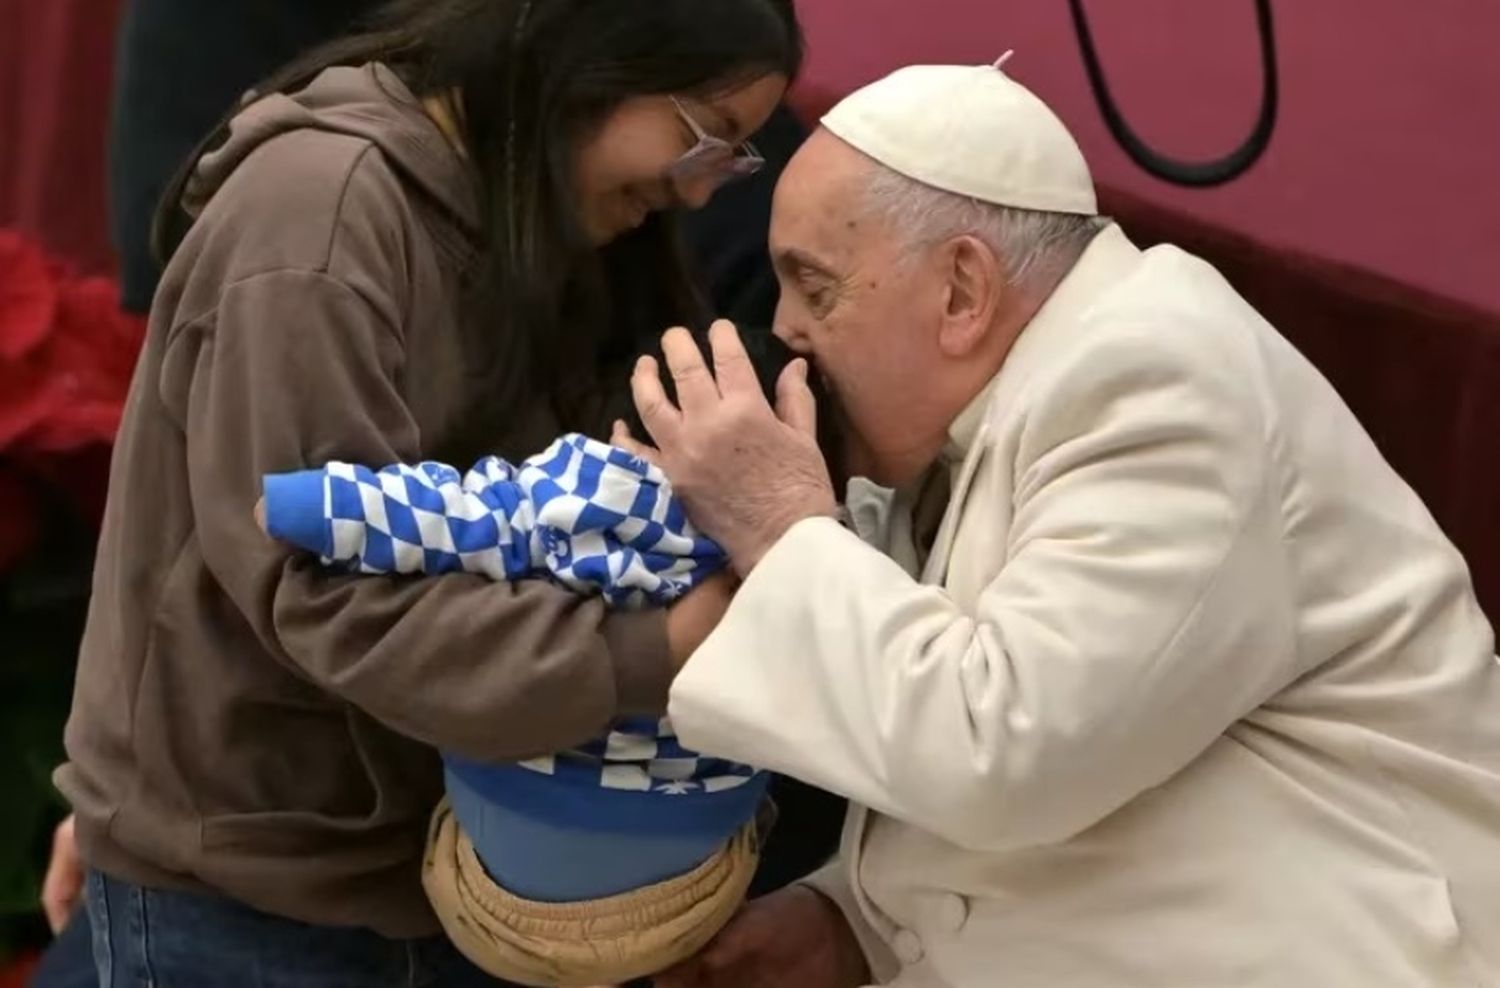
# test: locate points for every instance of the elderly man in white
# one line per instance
(1146, 670)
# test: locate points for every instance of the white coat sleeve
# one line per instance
(1139, 611)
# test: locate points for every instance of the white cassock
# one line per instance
(1191, 692)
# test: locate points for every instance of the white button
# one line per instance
(907, 947)
(952, 913)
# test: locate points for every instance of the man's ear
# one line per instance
(976, 284)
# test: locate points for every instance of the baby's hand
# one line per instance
(621, 437)
(260, 515)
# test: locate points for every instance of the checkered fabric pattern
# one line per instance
(592, 516)
(589, 515)
(642, 755)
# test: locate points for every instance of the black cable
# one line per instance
(1205, 173)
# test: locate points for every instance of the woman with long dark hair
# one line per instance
(443, 236)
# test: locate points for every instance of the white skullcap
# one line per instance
(970, 130)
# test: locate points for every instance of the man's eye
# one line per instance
(819, 296)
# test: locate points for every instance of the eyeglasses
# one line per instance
(713, 157)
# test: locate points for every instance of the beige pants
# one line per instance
(570, 944)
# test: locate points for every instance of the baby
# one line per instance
(623, 856)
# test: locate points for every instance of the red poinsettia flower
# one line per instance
(28, 305)
(28, 295)
(90, 358)
(67, 353)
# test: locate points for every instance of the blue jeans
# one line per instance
(147, 938)
(69, 961)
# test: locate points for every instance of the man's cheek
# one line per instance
(858, 444)
(859, 459)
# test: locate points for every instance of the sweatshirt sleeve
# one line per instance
(295, 368)
(421, 518)
(595, 518)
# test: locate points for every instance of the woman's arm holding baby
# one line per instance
(593, 517)
(423, 518)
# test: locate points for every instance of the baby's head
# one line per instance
(769, 356)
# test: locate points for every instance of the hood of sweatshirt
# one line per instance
(368, 101)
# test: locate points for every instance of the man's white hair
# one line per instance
(1037, 248)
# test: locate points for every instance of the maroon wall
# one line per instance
(1388, 155)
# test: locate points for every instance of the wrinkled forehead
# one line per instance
(819, 204)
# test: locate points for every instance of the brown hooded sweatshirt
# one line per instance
(246, 722)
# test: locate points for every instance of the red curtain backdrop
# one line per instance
(56, 65)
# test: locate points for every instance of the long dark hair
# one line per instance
(535, 77)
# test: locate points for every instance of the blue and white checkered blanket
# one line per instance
(592, 516)
(588, 515)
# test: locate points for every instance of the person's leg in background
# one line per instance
(180, 66)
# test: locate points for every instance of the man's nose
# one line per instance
(783, 327)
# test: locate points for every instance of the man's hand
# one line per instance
(693, 618)
(745, 473)
(63, 886)
(794, 937)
